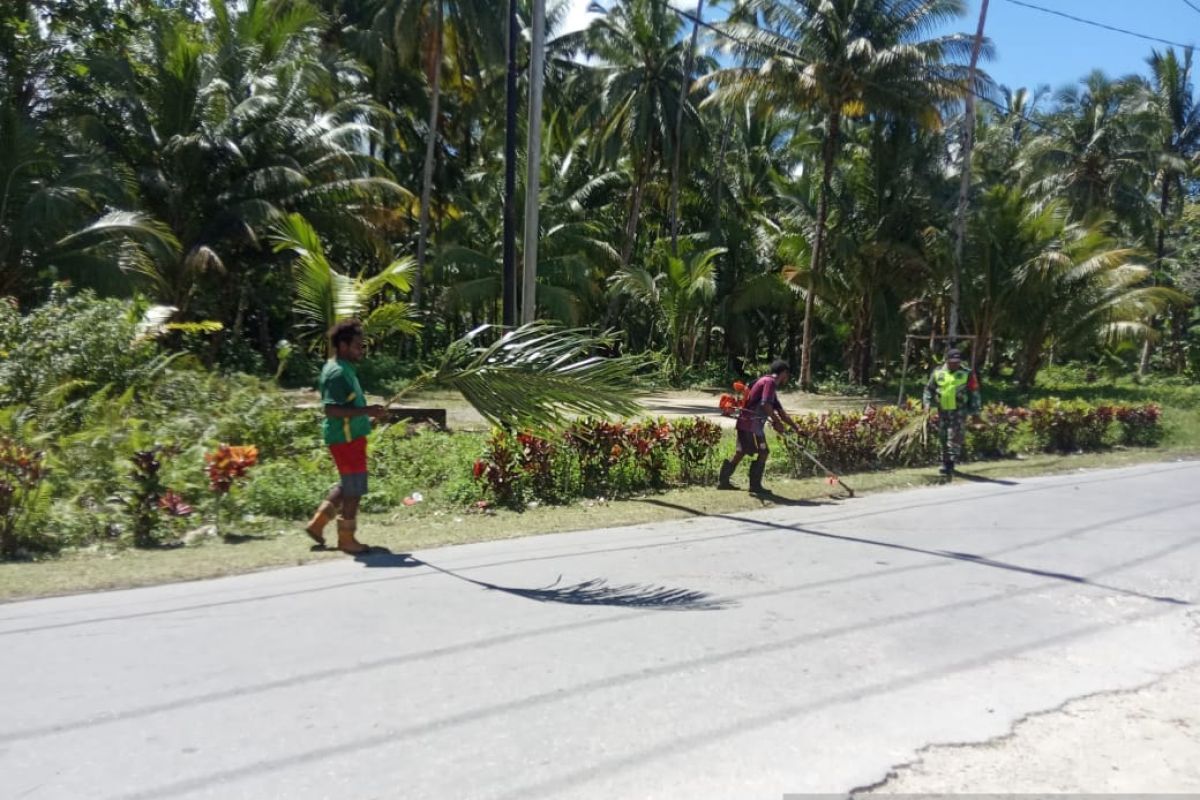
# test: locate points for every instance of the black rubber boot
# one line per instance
(726, 473)
(756, 475)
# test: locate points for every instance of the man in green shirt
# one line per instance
(954, 392)
(346, 426)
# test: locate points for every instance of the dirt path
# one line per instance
(670, 404)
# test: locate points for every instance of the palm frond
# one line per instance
(392, 318)
(909, 440)
(150, 233)
(538, 375)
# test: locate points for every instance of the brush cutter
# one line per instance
(793, 441)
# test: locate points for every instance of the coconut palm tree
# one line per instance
(225, 134)
(640, 61)
(1051, 284)
(429, 38)
(1094, 152)
(1172, 102)
(841, 60)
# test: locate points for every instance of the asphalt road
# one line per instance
(798, 649)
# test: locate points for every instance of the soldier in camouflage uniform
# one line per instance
(954, 392)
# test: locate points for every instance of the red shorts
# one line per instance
(350, 457)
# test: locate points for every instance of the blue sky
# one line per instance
(1034, 48)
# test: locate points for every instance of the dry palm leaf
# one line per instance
(910, 440)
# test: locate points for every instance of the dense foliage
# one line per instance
(191, 191)
(271, 164)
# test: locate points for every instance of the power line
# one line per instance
(1106, 27)
(1193, 6)
(686, 15)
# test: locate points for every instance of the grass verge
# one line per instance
(419, 527)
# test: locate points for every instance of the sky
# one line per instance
(1034, 48)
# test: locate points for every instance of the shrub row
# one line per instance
(850, 441)
(597, 458)
(614, 459)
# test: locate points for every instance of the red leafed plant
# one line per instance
(695, 442)
(500, 468)
(650, 442)
(173, 504)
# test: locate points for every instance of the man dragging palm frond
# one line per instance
(533, 378)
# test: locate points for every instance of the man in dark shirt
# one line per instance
(762, 404)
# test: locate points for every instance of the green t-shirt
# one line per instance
(340, 387)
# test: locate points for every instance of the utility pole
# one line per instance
(509, 278)
(533, 161)
(965, 189)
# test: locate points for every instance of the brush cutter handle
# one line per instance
(808, 454)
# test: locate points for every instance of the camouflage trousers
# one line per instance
(952, 434)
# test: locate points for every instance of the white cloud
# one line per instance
(578, 17)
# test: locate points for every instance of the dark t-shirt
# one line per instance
(759, 403)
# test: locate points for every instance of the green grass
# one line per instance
(425, 526)
(439, 467)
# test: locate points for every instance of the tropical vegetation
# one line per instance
(192, 191)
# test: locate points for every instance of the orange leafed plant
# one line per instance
(229, 463)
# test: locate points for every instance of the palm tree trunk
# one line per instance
(1031, 358)
(635, 210)
(1163, 208)
(859, 351)
(435, 69)
(791, 333)
(983, 342)
(687, 75)
(1179, 332)
(828, 156)
(727, 278)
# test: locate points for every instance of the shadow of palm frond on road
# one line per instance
(594, 592)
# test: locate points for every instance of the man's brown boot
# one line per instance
(346, 541)
(316, 526)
